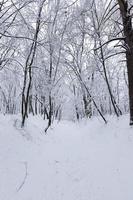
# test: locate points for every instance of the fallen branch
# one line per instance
(25, 177)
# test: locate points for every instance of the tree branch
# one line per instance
(112, 40)
(25, 177)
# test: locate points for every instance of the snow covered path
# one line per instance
(86, 161)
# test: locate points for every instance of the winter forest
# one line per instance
(66, 60)
(66, 76)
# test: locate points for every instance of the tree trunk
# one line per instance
(128, 33)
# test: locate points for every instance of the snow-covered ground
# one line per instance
(81, 161)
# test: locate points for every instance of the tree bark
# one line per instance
(128, 32)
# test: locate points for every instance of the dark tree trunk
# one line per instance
(50, 114)
(46, 116)
(36, 106)
(130, 79)
(128, 33)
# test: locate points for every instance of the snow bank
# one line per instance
(81, 161)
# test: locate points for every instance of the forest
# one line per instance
(66, 59)
(66, 99)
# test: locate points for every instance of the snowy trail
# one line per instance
(72, 162)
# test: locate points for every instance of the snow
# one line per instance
(73, 161)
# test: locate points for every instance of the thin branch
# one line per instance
(112, 40)
(25, 177)
(20, 37)
(115, 54)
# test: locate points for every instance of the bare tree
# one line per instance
(28, 67)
